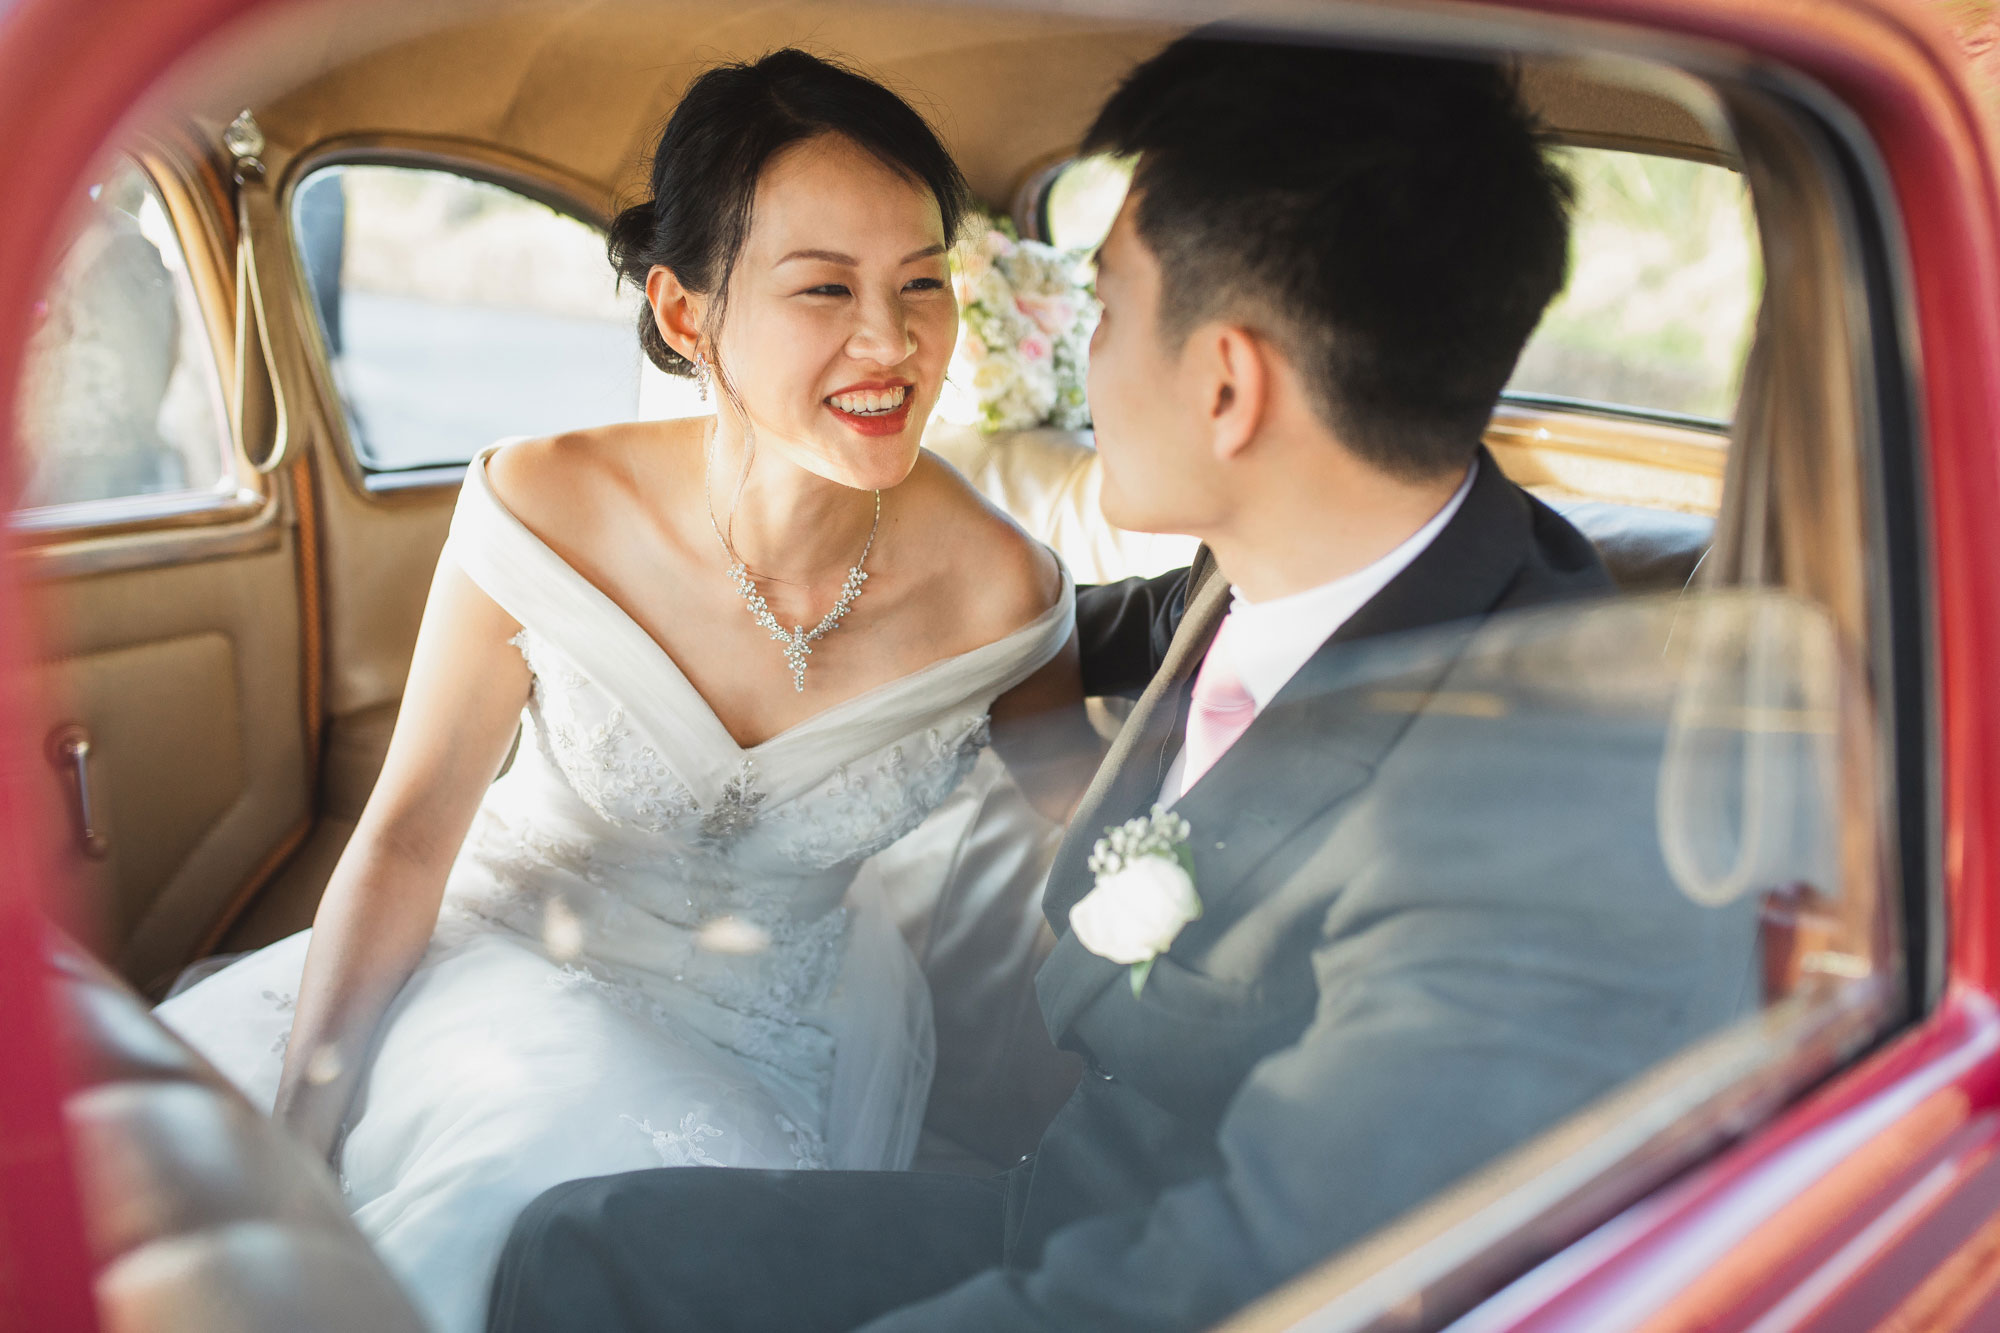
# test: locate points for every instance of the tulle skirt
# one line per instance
(501, 1070)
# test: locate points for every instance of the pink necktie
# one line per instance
(1220, 711)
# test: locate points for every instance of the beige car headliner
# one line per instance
(582, 88)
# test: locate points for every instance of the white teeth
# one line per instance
(871, 402)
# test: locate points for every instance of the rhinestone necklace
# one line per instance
(797, 640)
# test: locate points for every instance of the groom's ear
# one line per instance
(1240, 397)
(677, 312)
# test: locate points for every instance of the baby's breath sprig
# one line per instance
(1161, 833)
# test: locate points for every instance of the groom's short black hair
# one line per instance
(1391, 221)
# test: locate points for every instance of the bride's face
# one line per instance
(840, 318)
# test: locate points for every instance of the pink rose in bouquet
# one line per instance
(1052, 314)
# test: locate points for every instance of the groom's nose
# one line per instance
(883, 333)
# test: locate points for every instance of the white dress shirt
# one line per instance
(1270, 641)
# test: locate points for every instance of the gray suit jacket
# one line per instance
(1436, 922)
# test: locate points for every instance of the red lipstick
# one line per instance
(875, 423)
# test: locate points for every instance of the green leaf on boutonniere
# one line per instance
(1140, 971)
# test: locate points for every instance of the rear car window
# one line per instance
(1664, 279)
(1663, 286)
(456, 312)
(122, 401)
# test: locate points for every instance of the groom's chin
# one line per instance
(1134, 514)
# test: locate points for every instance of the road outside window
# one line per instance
(457, 312)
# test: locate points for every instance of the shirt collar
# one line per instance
(1269, 641)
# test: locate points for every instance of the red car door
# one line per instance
(1874, 1202)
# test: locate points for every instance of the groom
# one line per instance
(1325, 271)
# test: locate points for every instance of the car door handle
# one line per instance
(69, 751)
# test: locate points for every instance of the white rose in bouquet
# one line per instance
(1027, 314)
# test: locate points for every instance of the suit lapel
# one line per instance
(1128, 781)
(1317, 743)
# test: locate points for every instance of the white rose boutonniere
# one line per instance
(1144, 892)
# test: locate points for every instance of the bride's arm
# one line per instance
(460, 709)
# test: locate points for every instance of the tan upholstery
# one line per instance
(584, 86)
(189, 679)
(204, 1216)
(351, 756)
(379, 556)
(160, 708)
(1050, 481)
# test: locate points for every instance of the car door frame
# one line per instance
(73, 75)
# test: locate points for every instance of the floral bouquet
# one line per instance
(1028, 312)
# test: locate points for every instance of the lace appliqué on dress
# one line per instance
(511, 843)
(867, 805)
(808, 1149)
(763, 1009)
(284, 1004)
(604, 758)
(680, 1147)
(731, 816)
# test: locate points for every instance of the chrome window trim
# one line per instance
(122, 513)
(436, 477)
(1556, 402)
(134, 534)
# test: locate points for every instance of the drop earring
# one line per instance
(701, 376)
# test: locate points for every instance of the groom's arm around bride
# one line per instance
(1425, 934)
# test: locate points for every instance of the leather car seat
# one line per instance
(1646, 550)
(202, 1215)
(1050, 480)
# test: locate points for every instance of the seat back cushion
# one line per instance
(203, 1215)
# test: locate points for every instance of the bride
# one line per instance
(743, 654)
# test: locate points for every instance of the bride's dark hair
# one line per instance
(731, 121)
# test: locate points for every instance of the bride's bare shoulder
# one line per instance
(996, 574)
(560, 484)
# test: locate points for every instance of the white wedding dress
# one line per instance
(651, 949)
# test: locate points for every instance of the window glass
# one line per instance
(1663, 286)
(1082, 200)
(457, 312)
(121, 395)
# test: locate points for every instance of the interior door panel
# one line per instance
(166, 757)
(379, 552)
(176, 635)
(187, 679)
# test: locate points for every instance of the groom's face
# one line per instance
(1147, 405)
